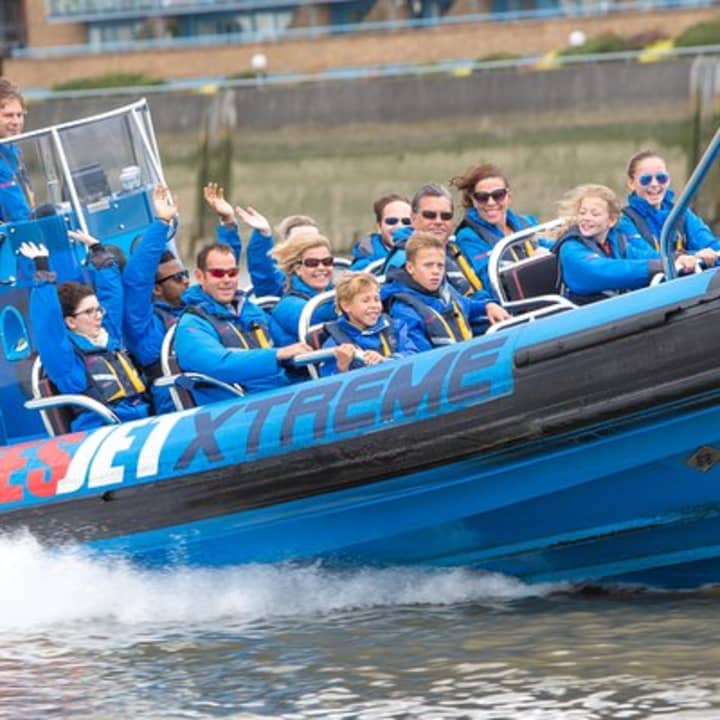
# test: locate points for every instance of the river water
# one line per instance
(83, 637)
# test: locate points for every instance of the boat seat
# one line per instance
(181, 383)
(57, 410)
(537, 275)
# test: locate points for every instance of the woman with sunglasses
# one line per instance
(486, 197)
(648, 205)
(79, 343)
(307, 261)
(392, 212)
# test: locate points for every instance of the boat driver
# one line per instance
(16, 197)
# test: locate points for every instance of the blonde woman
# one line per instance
(306, 259)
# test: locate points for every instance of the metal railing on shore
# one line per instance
(460, 68)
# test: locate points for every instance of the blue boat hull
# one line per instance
(577, 448)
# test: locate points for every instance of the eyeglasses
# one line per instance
(647, 178)
(396, 220)
(98, 310)
(432, 215)
(222, 272)
(316, 262)
(483, 197)
(178, 277)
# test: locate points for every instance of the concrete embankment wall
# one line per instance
(603, 87)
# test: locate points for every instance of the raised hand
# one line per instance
(83, 237)
(31, 250)
(164, 203)
(254, 219)
(215, 199)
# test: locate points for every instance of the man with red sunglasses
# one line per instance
(225, 335)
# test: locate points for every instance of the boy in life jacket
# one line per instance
(419, 296)
(362, 325)
(80, 344)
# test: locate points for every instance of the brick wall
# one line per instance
(41, 33)
(312, 55)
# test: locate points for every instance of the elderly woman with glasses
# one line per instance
(648, 206)
(486, 196)
(79, 342)
(392, 212)
(307, 261)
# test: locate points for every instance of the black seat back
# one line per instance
(529, 278)
(57, 420)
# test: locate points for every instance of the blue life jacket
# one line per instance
(574, 234)
(388, 339)
(111, 375)
(231, 336)
(442, 328)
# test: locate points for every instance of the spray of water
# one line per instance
(42, 587)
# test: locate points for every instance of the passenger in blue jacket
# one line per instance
(363, 326)
(486, 197)
(154, 281)
(419, 296)
(223, 334)
(597, 259)
(16, 197)
(307, 262)
(432, 212)
(648, 206)
(78, 338)
(392, 212)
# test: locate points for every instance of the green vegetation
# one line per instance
(112, 80)
(704, 33)
(606, 43)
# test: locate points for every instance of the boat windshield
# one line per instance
(92, 165)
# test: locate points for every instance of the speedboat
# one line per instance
(578, 445)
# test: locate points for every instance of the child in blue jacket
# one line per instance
(362, 325)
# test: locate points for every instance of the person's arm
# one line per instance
(14, 203)
(405, 345)
(57, 353)
(106, 280)
(198, 349)
(265, 275)
(227, 229)
(700, 239)
(586, 272)
(414, 325)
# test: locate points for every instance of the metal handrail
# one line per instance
(667, 235)
(502, 245)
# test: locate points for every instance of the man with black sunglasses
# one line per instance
(432, 211)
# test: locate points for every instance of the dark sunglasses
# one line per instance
(222, 272)
(177, 277)
(483, 197)
(316, 262)
(647, 178)
(395, 220)
(432, 215)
